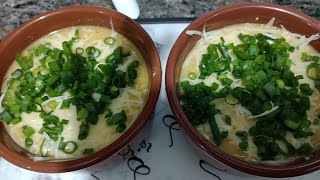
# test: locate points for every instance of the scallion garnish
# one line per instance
(79, 50)
(91, 86)
(27, 131)
(109, 40)
(69, 147)
(270, 91)
(192, 76)
(44, 147)
(88, 151)
(93, 52)
(28, 142)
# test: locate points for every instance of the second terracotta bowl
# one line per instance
(260, 13)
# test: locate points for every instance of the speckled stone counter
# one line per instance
(13, 13)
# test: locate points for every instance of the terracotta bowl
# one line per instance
(54, 20)
(260, 13)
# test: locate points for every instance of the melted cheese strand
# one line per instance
(113, 34)
(265, 113)
(65, 95)
(270, 23)
(1, 99)
(205, 36)
(193, 32)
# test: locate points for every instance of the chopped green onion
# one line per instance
(228, 120)
(90, 107)
(25, 62)
(44, 148)
(79, 50)
(88, 151)
(192, 76)
(70, 147)
(61, 144)
(304, 149)
(214, 86)
(64, 121)
(280, 83)
(215, 131)
(109, 40)
(76, 36)
(270, 89)
(121, 127)
(82, 114)
(109, 113)
(65, 104)
(313, 71)
(306, 57)
(53, 104)
(28, 142)
(84, 131)
(27, 131)
(16, 120)
(54, 66)
(119, 117)
(45, 71)
(6, 116)
(243, 145)
(305, 88)
(226, 81)
(229, 99)
(93, 52)
(17, 74)
(51, 80)
(292, 123)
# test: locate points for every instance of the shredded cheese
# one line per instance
(1, 99)
(270, 23)
(272, 36)
(58, 98)
(38, 159)
(305, 41)
(96, 96)
(193, 32)
(265, 113)
(205, 36)
(113, 33)
(124, 66)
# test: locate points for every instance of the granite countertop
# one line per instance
(13, 13)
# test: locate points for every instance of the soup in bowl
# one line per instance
(243, 84)
(76, 91)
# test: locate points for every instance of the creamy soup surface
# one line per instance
(238, 113)
(131, 99)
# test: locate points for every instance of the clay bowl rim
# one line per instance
(286, 170)
(155, 85)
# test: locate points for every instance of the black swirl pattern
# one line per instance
(172, 126)
(204, 166)
(144, 145)
(136, 164)
(94, 176)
